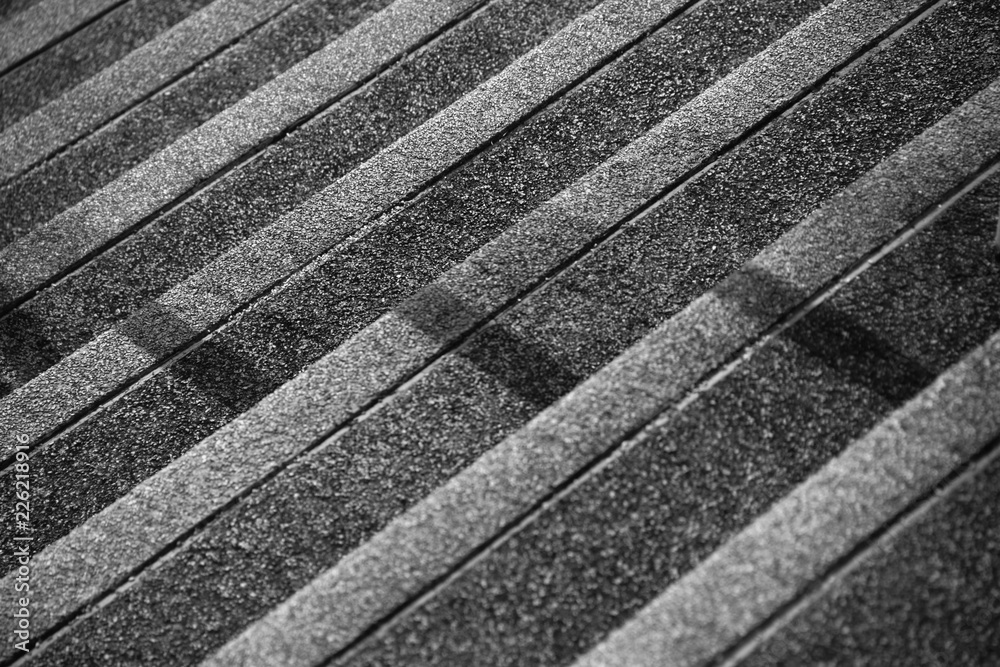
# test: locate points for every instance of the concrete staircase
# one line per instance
(507, 332)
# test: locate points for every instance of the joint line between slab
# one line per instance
(916, 508)
(629, 439)
(373, 222)
(177, 78)
(60, 38)
(247, 156)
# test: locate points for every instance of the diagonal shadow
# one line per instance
(222, 369)
(25, 349)
(830, 335)
(524, 367)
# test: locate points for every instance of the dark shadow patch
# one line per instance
(223, 373)
(438, 312)
(226, 375)
(842, 344)
(523, 366)
(26, 349)
(828, 334)
(157, 329)
(758, 293)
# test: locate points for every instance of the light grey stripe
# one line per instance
(770, 562)
(98, 553)
(111, 359)
(43, 23)
(242, 274)
(424, 543)
(113, 89)
(916, 518)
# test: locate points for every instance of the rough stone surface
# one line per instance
(96, 160)
(275, 340)
(398, 172)
(514, 340)
(925, 595)
(84, 53)
(128, 80)
(52, 248)
(680, 490)
(41, 23)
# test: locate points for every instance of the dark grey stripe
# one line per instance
(766, 565)
(336, 213)
(88, 165)
(215, 292)
(41, 24)
(86, 52)
(116, 87)
(423, 544)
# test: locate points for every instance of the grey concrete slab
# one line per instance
(769, 563)
(500, 389)
(422, 544)
(44, 23)
(50, 250)
(955, 299)
(548, 590)
(650, 153)
(555, 586)
(118, 86)
(85, 53)
(253, 267)
(564, 48)
(83, 168)
(327, 73)
(926, 593)
(155, 404)
(318, 310)
(66, 316)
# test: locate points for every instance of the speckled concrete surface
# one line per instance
(926, 594)
(489, 392)
(187, 403)
(190, 299)
(560, 583)
(85, 53)
(961, 143)
(300, 479)
(769, 563)
(52, 248)
(85, 167)
(70, 457)
(116, 87)
(42, 23)
(274, 341)
(425, 542)
(400, 171)
(137, 545)
(172, 247)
